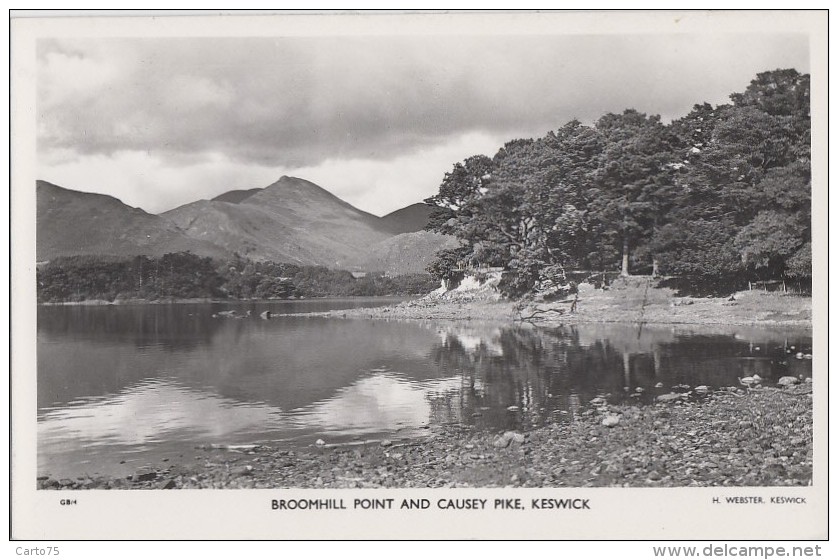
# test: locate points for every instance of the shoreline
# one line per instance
(177, 301)
(729, 437)
(635, 306)
(749, 309)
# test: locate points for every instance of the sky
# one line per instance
(160, 122)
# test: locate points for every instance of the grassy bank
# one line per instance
(730, 437)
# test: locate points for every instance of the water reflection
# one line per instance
(547, 373)
(115, 382)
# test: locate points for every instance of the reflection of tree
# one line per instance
(544, 370)
(173, 327)
(525, 373)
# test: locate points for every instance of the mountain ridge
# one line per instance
(72, 223)
(291, 220)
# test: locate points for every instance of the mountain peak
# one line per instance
(290, 191)
(287, 181)
(292, 220)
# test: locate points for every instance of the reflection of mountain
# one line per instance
(378, 403)
(351, 376)
(174, 327)
(153, 411)
(289, 362)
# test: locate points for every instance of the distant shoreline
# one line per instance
(102, 302)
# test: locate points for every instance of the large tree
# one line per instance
(460, 188)
(722, 194)
(633, 180)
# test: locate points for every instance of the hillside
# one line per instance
(77, 223)
(292, 220)
(406, 253)
(407, 220)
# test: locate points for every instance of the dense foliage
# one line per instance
(184, 275)
(720, 196)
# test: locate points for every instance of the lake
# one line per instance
(120, 387)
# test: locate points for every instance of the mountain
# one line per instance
(76, 223)
(236, 196)
(406, 253)
(292, 220)
(407, 220)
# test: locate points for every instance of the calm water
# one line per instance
(122, 386)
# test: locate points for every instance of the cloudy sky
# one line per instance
(376, 120)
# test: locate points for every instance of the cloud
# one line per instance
(150, 180)
(247, 107)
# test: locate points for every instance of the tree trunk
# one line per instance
(625, 271)
(627, 369)
(655, 271)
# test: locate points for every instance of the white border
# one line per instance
(208, 514)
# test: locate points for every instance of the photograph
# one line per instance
(420, 265)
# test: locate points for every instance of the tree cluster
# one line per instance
(185, 275)
(718, 197)
(175, 275)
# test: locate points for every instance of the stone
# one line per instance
(319, 443)
(658, 385)
(386, 443)
(787, 380)
(144, 475)
(702, 389)
(502, 441)
(513, 408)
(654, 475)
(669, 397)
(610, 421)
(168, 484)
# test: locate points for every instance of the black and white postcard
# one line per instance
(419, 276)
